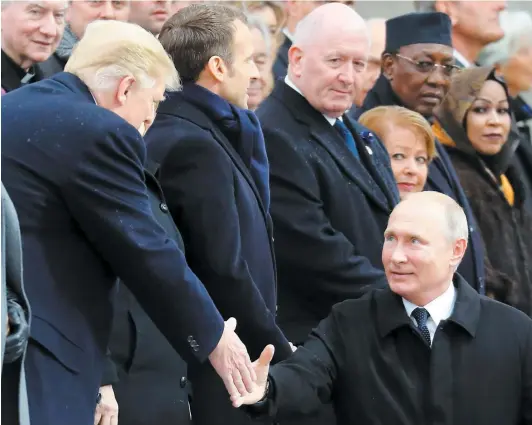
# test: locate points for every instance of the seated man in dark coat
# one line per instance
(31, 31)
(418, 64)
(428, 349)
(73, 163)
(214, 174)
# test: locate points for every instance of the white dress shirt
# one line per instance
(290, 84)
(288, 35)
(439, 309)
(460, 58)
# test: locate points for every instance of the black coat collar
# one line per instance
(367, 177)
(391, 313)
(13, 76)
(176, 105)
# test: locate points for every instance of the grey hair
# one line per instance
(456, 221)
(515, 25)
(256, 22)
(424, 6)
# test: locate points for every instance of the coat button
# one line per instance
(163, 207)
(190, 338)
(183, 382)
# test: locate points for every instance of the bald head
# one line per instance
(437, 206)
(424, 243)
(326, 21)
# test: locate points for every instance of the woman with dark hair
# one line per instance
(475, 124)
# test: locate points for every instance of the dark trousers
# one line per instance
(210, 403)
(57, 395)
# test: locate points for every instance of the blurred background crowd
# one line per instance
(441, 103)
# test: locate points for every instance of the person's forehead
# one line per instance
(350, 39)
(45, 4)
(441, 50)
(415, 217)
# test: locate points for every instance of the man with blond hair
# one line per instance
(73, 164)
(427, 349)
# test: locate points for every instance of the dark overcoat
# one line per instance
(75, 172)
(227, 233)
(329, 209)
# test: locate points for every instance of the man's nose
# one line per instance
(107, 11)
(398, 255)
(255, 74)
(49, 26)
(347, 74)
(438, 77)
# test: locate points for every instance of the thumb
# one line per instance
(266, 356)
(231, 323)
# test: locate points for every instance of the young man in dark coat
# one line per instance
(214, 174)
(428, 349)
(73, 164)
(417, 68)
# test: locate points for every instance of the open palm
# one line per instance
(261, 367)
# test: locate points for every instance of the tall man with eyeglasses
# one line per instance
(418, 64)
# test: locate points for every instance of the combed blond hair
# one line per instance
(380, 119)
(110, 50)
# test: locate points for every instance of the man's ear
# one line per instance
(216, 68)
(124, 87)
(459, 250)
(295, 55)
(449, 8)
(388, 65)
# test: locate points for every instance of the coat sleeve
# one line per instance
(305, 381)
(329, 265)
(526, 374)
(107, 196)
(198, 182)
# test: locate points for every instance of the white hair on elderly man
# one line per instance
(517, 27)
(111, 50)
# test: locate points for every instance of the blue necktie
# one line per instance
(422, 315)
(347, 136)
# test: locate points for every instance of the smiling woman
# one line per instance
(409, 141)
(474, 124)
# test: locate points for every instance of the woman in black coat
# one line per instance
(475, 124)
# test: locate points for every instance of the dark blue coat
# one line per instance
(75, 172)
(329, 209)
(227, 234)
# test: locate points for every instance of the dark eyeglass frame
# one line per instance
(448, 70)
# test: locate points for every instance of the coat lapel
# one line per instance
(193, 114)
(356, 171)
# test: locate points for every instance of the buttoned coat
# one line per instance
(75, 172)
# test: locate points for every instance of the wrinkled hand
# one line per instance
(293, 347)
(107, 409)
(261, 367)
(231, 361)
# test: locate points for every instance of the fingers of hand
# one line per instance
(230, 386)
(231, 324)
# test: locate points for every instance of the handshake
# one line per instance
(245, 381)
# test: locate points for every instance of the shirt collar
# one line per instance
(291, 84)
(288, 35)
(460, 58)
(439, 308)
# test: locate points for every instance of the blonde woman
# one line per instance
(409, 140)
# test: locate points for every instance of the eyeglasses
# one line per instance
(428, 67)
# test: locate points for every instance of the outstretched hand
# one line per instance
(261, 367)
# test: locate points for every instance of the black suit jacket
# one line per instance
(75, 172)
(226, 229)
(329, 209)
(152, 384)
(280, 66)
(371, 361)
